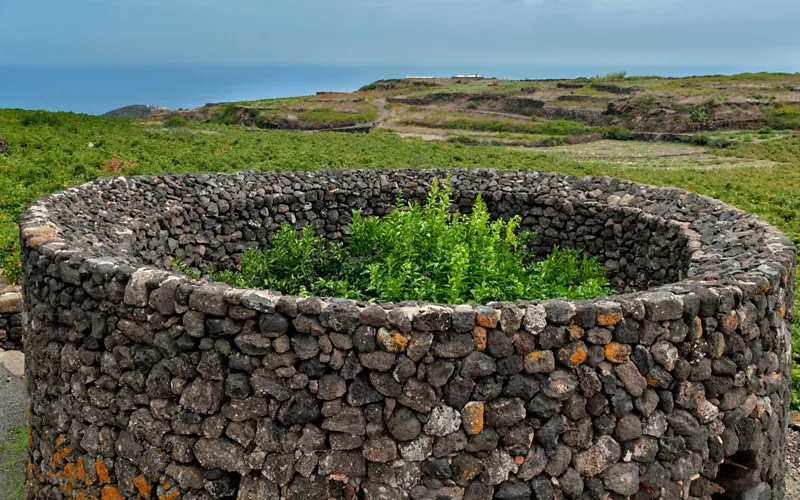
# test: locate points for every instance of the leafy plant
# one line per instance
(41, 118)
(786, 117)
(175, 121)
(613, 75)
(421, 252)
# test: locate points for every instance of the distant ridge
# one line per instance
(135, 111)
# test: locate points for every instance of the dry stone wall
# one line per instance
(10, 317)
(148, 384)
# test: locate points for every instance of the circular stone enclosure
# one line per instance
(148, 384)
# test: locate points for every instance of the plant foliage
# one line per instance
(421, 252)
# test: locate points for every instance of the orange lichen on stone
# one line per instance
(488, 319)
(172, 495)
(618, 353)
(573, 355)
(479, 337)
(608, 319)
(730, 322)
(650, 381)
(782, 310)
(469, 472)
(102, 471)
(392, 340)
(696, 329)
(58, 458)
(142, 487)
(74, 474)
(472, 417)
(111, 493)
(575, 332)
(519, 459)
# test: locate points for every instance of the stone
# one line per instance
(559, 385)
(348, 420)
(220, 454)
(404, 425)
(622, 479)
(331, 386)
(381, 449)
(540, 362)
(665, 354)
(634, 382)
(417, 449)
(683, 422)
(202, 396)
(535, 318)
(521, 386)
(439, 372)
(443, 420)
(662, 306)
(599, 457)
(346, 463)
(417, 395)
(392, 340)
(497, 467)
(472, 417)
(418, 345)
(504, 412)
(618, 353)
(301, 408)
(572, 355)
(477, 364)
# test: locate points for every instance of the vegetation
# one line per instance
(785, 117)
(555, 127)
(614, 75)
(421, 253)
(133, 111)
(337, 117)
(13, 452)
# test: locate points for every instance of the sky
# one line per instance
(745, 33)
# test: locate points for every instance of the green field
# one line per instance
(52, 151)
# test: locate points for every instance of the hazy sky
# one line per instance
(751, 33)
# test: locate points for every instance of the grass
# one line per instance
(338, 117)
(13, 453)
(555, 127)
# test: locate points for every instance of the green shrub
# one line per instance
(613, 75)
(41, 118)
(175, 121)
(617, 132)
(421, 253)
(228, 116)
(786, 117)
(704, 113)
(700, 139)
(555, 127)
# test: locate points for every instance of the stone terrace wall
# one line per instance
(145, 383)
(10, 318)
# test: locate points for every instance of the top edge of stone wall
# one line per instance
(732, 252)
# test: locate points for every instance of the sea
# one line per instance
(99, 89)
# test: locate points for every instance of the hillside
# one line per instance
(135, 111)
(534, 112)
